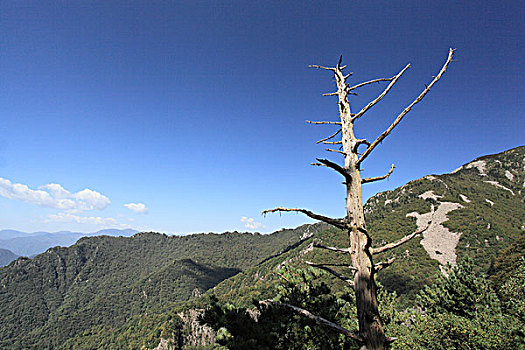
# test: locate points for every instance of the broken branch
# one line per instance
(323, 122)
(406, 110)
(317, 319)
(331, 136)
(322, 67)
(383, 264)
(360, 142)
(334, 249)
(368, 82)
(335, 222)
(336, 167)
(334, 150)
(377, 178)
(398, 242)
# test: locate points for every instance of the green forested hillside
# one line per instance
(125, 293)
(486, 230)
(104, 281)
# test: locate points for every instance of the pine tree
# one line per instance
(461, 291)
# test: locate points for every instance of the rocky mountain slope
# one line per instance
(103, 292)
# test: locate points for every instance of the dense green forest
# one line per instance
(132, 293)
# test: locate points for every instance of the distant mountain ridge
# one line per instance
(99, 292)
(6, 256)
(30, 244)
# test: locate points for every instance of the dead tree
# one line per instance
(359, 246)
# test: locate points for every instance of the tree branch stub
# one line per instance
(378, 178)
(381, 265)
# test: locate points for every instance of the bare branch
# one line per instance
(322, 67)
(331, 94)
(334, 249)
(360, 142)
(369, 82)
(339, 62)
(324, 267)
(337, 265)
(383, 264)
(323, 122)
(317, 319)
(334, 150)
(333, 142)
(385, 91)
(398, 242)
(335, 222)
(406, 110)
(331, 136)
(336, 167)
(377, 178)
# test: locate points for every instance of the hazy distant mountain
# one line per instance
(30, 244)
(114, 232)
(6, 256)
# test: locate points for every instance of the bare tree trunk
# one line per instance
(371, 332)
(370, 324)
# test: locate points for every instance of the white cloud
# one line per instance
(94, 220)
(251, 224)
(137, 207)
(90, 199)
(54, 196)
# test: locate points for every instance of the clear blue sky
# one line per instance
(188, 116)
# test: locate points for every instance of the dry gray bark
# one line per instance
(371, 331)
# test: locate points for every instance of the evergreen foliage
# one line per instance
(276, 327)
(460, 291)
(461, 311)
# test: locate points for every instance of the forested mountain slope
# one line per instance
(115, 293)
(476, 211)
(106, 280)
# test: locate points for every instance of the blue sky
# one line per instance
(189, 116)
